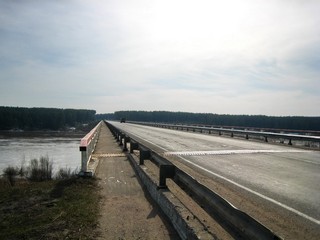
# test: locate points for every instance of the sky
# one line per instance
(225, 57)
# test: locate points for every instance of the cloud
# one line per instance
(202, 56)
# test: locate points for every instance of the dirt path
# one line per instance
(126, 211)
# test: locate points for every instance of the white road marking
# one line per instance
(100, 155)
(229, 152)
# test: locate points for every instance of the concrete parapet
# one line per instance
(186, 226)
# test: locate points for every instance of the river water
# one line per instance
(63, 151)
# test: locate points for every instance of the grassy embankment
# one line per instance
(36, 208)
(55, 209)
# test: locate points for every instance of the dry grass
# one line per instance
(55, 209)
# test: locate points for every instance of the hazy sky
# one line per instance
(230, 56)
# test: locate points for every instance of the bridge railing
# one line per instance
(232, 132)
(258, 129)
(87, 146)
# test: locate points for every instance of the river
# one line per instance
(62, 150)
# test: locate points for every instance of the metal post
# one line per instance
(133, 146)
(144, 154)
(125, 141)
(118, 137)
(121, 137)
(165, 171)
(84, 159)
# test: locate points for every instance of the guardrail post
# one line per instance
(125, 141)
(165, 171)
(265, 138)
(133, 146)
(122, 136)
(118, 136)
(144, 154)
(290, 142)
(247, 136)
(84, 159)
(232, 134)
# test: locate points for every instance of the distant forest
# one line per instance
(254, 121)
(43, 118)
(56, 119)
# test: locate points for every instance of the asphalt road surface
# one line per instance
(286, 176)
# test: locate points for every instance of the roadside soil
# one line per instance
(126, 211)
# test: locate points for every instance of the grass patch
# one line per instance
(55, 209)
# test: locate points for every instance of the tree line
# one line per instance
(43, 118)
(253, 121)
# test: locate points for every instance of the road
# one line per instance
(281, 175)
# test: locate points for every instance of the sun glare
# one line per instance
(191, 20)
(199, 26)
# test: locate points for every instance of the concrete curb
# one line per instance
(187, 227)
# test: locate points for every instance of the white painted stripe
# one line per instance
(98, 155)
(229, 152)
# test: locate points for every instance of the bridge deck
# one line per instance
(126, 213)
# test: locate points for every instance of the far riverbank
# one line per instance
(19, 133)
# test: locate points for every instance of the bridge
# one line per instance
(220, 183)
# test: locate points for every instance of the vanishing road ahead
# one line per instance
(283, 176)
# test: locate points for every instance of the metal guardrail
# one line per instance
(87, 146)
(232, 132)
(239, 222)
(257, 129)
